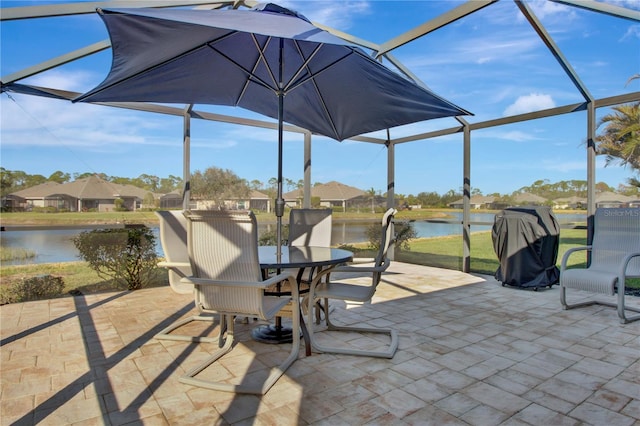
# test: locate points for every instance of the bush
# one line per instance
(34, 288)
(119, 205)
(269, 238)
(404, 232)
(127, 256)
(9, 253)
(47, 209)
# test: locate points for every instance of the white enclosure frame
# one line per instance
(380, 51)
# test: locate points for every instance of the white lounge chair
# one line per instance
(615, 255)
(323, 288)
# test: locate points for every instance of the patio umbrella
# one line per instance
(270, 60)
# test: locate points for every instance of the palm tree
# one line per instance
(372, 193)
(620, 140)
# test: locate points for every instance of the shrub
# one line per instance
(127, 255)
(119, 205)
(404, 232)
(47, 209)
(34, 288)
(9, 253)
(269, 238)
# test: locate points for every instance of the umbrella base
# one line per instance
(273, 334)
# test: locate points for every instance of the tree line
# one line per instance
(219, 184)
(619, 142)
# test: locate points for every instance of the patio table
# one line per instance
(294, 258)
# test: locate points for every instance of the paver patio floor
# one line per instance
(471, 352)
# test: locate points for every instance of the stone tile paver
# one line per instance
(471, 353)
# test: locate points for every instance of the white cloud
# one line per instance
(562, 166)
(545, 9)
(633, 32)
(570, 166)
(510, 135)
(36, 121)
(336, 14)
(529, 103)
(517, 136)
(77, 81)
(629, 4)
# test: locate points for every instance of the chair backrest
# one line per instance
(173, 238)
(616, 234)
(310, 227)
(223, 246)
(386, 237)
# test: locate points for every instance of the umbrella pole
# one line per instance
(279, 199)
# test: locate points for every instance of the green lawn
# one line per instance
(149, 217)
(446, 252)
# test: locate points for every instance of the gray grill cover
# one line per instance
(526, 241)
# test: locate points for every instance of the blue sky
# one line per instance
(491, 63)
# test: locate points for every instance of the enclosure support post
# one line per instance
(306, 198)
(466, 200)
(391, 183)
(591, 169)
(186, 157)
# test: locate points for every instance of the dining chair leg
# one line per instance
(166, 333)
(388, 353)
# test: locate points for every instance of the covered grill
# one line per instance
(526, 241)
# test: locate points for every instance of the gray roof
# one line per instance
(527, 197)
(95, 188)
(478, 199)
(608, 196)
(91, 187)
(573, 199)
(328, 191)
(38, 191)
(257, 195)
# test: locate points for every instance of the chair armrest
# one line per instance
(172, 265)
(351, 269)
(625, 262)
(248, 284)
(565, 256)
(360, 260)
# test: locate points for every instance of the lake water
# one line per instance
(56, 245)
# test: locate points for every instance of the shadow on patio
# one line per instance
(471, 352)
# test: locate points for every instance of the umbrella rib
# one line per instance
(294, 84)
(315, 85)
(249, 74)
(305, 65)
(255, 67)
(264, 59)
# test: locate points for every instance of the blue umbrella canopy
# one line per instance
(270, 60)
(247, 58)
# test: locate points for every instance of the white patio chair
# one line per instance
(223, 251)
(323, 288)
(173, 238)
(309, 228)
(615, 255)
